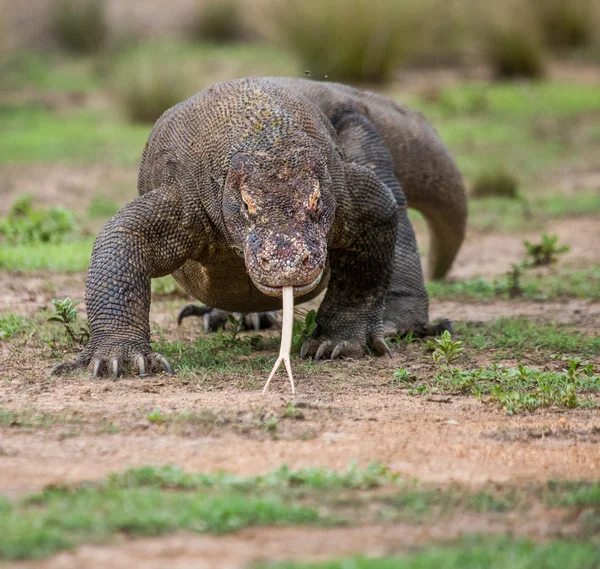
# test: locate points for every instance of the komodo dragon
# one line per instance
(256, 184)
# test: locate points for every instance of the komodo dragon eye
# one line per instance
(315, 203)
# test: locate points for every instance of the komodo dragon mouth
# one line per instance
(278, 290)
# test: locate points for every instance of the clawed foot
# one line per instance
(214, 318)
(115, 360)
(323, 348)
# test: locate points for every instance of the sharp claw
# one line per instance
(115, 367)
(338, 350)
(164, 363)
(380, 346)
(272, 318)
(255, 320)
(322, 348)
(96, 372)
(206, 322)
(141, 364)
(304, 350)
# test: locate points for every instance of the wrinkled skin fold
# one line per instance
(253, 185)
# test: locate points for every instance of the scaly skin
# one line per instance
(256, 184)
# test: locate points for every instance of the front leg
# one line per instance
(361, 257)
(150, 237)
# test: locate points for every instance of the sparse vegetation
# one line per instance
(148, 87)
(10, 325)
(518, 389)
(515, 54)
(357, 41)
(220, 21)
(476, 553)
(65, 313)
(155, 501)
(25, 224)
(496, 182)
(566, 23)
(544, 253)
(80, 26)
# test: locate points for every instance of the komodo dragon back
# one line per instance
(427, 172)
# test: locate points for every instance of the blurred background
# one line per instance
(512, 87)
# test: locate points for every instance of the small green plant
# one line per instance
(544, 253)
(303, 330)
(65, 313)
(270, 424)
(11, 324)
(497, 182)
(402, 377)
(292, 412)
(157, 417)
(220, 21)
(26, 225)
(445, 349)
(81, 26)
(513, 280)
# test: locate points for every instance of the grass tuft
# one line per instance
(10, 325)
(80, 26)
(515, 54)
(148, 87)
(497, 182)
(566, 23)
(220, 21)
(355, 41)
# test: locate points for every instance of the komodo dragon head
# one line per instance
(279, 208)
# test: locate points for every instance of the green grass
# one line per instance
(11, 325)
(34, 134)
(517, 389)
(30, 419)
(59, 519)
(520, 336)
(518, 215)
(153, 501)
(221, 353)
(527, 127)
(476, 553)
(555, 284)
(70, 257)
(50, 72)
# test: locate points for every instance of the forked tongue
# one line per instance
(286, 337)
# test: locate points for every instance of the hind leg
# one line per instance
(407, 304)
(215, 319)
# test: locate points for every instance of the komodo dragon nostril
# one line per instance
(264, 261)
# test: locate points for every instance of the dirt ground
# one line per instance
(349, 413)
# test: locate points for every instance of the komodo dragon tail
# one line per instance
(429, 176)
